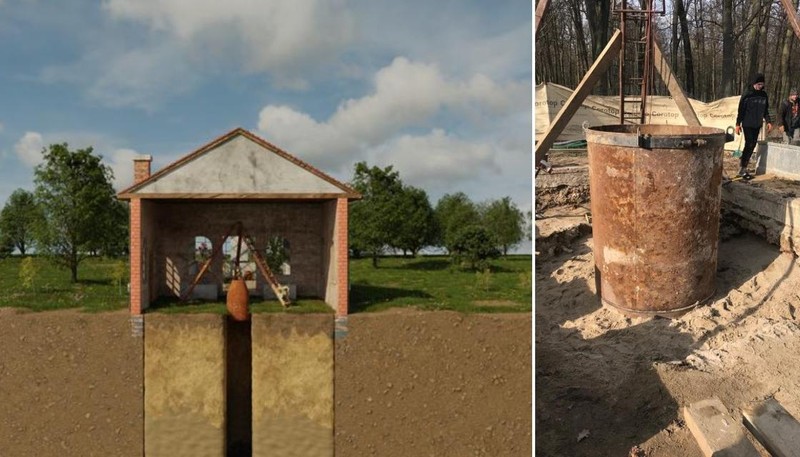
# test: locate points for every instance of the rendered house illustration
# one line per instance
(190, 205)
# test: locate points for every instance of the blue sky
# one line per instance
(440, 90)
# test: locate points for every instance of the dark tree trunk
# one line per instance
(728, 69)
(688, 58)
(598, 15)
(73, 265)
(577, 23)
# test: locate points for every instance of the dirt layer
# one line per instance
(406, 383)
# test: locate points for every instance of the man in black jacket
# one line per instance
(753, 110)
(789, 114)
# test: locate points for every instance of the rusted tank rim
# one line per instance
(677, 312)
(656, 136)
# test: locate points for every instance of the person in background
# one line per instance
(753, 111)
(789, 114)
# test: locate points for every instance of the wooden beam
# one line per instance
(674, 87)
(237, 196)
(563, 117)
(715, 430)
(791, 13)
(774, 427)
(541, 8)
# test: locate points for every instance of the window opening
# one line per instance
(246, 267)
(278, 255)
(202, 252)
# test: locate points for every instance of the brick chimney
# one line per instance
(141, 168)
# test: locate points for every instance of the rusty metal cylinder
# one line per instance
(238, 299)
(655, 201)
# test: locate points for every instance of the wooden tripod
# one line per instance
(281, 291)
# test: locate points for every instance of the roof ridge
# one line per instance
(225, 138)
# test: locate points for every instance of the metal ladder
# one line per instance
(635, 58)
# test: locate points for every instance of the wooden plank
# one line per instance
(563, 117)
(674, 87)
(791, 14)
(238, 196)
(774, 427)
(541, 8)
(715, 430)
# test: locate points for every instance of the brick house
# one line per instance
(180, 212)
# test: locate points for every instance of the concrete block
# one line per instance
(767, 212)
(184, 385)
(780, 160)
(717, 433)
(774, 427)
(205, 292)
(292, 385)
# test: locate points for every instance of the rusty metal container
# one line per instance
(655, 200)
(238, 299)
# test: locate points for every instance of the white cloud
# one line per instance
(121, 163)
(268, 35)
(406, 95)
(120, 160)
(141, 78)
(29, 149)
(436, 158)
(187, 43)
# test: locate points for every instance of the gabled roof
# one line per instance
(239, 165)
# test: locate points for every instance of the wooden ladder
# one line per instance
(281, 291)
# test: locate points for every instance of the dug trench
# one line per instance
(607, 384)
(216, 386)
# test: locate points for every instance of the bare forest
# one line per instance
(714, 47)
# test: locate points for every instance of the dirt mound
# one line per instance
(606, 383)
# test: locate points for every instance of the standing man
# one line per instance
(790, 118)
(753, 110)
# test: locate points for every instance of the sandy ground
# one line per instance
(610, 385)
(407, 383)
(70, 385)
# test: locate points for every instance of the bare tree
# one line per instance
(688, 59)
(726, 82)
(598, 15)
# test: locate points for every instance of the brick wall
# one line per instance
(141, 168)
(342, 261)
(136, 256)
(141, 171)
(178, 223)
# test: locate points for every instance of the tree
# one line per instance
(6, 246)
(505, 222)
(598, 15)
(113, 239)
(276, 253)
(473, 245)
(529, 225)
(688, 59)
(453, 213)
(73, 190)
(373, 219)
(18, 219)
(416, 221)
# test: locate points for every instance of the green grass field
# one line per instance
(431, 283)
(425, 282)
